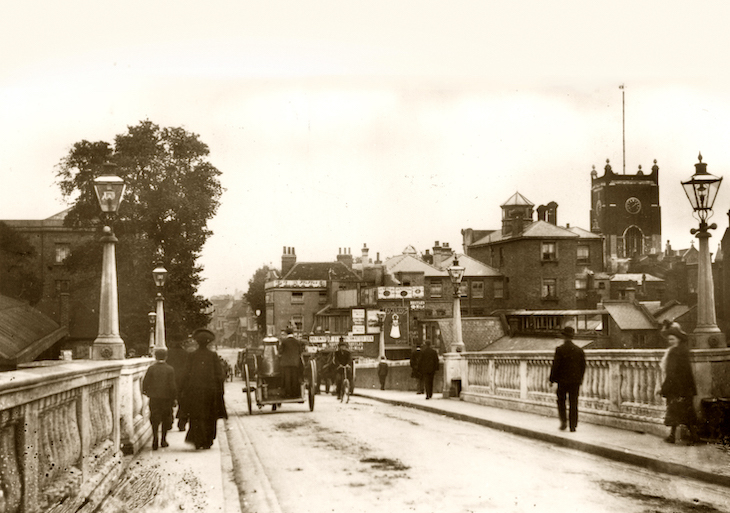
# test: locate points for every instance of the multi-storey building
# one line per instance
(545, 266)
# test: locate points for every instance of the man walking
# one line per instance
(415, 370)
(427, 366)
(567, 371)
(159, 385)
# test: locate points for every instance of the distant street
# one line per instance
(367, 456)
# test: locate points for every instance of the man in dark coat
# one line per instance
(159, 385)
(415, 372)
(290, 351)
(177, 358)
(342, 360)
(567, 371)
(203, 391)
(428, 364)
(382, 371)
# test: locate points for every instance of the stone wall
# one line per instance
(62, 431)
(399, 377)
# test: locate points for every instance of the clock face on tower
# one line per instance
(633, 205)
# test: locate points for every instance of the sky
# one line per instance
(388, 123)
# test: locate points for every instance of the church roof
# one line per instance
(518, 199)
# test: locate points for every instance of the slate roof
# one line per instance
(25, 332)
(630, 316)
(476, 332)
(635, 277)
(518, 199)
(471, 266)
(407, 263)
(539, 230)
(336, 271)
(527, 343)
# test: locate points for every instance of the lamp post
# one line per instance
(160, 275)
(381, 322)
(108, 344)
(151, 316)
(456, 273)
(701, 191)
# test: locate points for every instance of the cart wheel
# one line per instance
(247, 389)
(312, 383)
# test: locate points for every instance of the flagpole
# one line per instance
(623, 122)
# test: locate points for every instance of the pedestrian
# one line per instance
(177, 358)
(428, 364)
(159, 385)
(678, 386)
(203, 391)
(342, 360)
(290, 353)
(567, 371)
(382, 371)
(415, 372)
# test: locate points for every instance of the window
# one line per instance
(464, 289)
(477, 289)
(581, 288)
(322, 298)
(435, 289)
(498, 289)
(63, 250)
(549, 251)
(549, 288)
(298, 322)
(584, 253)
(297, 298)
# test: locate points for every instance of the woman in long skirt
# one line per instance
(679, 384)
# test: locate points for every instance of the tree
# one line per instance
(172, 192)
(18, 279)
(256, 295)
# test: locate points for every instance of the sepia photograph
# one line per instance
(391, 256)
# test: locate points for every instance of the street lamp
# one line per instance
(108, 344)
(456, 273)
(701, 191)
(381, 322)
(160, 275)
(152, 316)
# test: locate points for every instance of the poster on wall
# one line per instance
(372, 321)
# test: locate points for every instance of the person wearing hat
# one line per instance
(678, 386)
(342, 359)
(428, 365)
(382, 371)
(569, 366)
(203, 391)
(159, 385)
(290, 361)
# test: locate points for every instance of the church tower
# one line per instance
(625, 210)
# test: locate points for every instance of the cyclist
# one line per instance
(342, 359)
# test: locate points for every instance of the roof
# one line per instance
(562, 313)
(407, 263)
(527, 343)
(540, 230)
(672, 313)
(630, 316)
(518, 199)
(336, 271)
(25, 332)
(471, 266)
(477, 332)
(635, 277)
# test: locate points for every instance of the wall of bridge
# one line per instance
(620, 387)
(63, 430)
(399, 376)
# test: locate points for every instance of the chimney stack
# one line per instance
(365, 258)
(345, 257)
(288, 259)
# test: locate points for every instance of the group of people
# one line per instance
(424, 365)
(190, 378)
(678, 384)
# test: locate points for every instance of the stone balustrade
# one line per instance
(62, 431)
(619, 387)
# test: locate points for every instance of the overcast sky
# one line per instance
(338, 123)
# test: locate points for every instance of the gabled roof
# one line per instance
(407, 263)
(630, 316)
(336, 271)
(471, 266)
(25, 332)
(539, 230)
(518, 199)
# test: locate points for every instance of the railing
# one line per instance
(62, 430)
(619, 387)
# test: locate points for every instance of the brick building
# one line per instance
(545, 266)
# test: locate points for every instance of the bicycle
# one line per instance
(345, 388)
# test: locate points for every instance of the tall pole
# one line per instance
(108, 345)
(707, 333)
(623, 122)
(160, 323)
(458, 345)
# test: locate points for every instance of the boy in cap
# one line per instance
(159, 385)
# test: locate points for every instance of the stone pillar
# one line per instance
(108, 344)
(707, 334)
